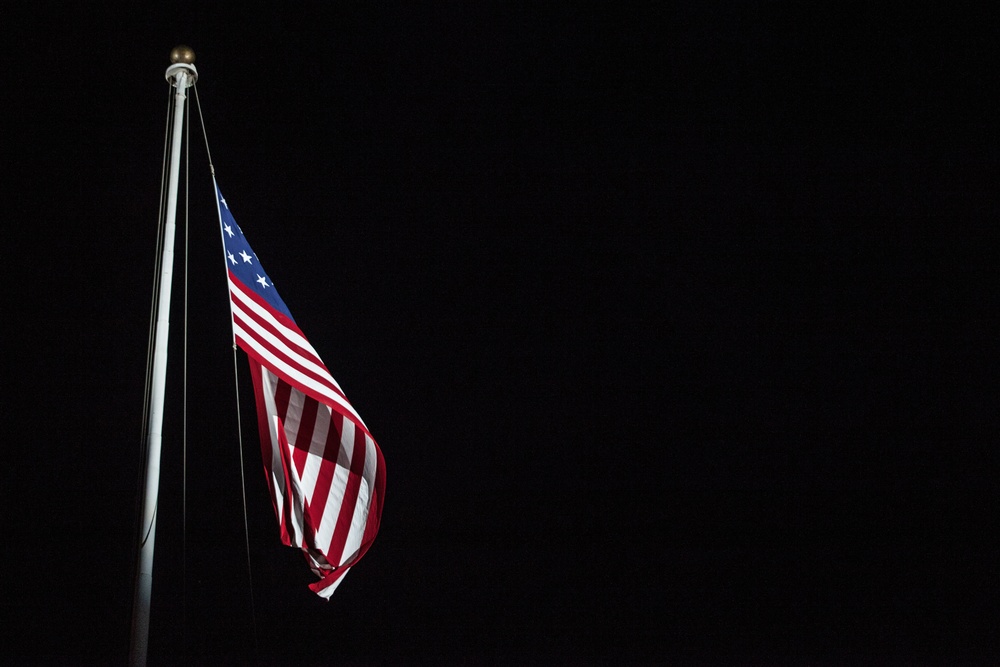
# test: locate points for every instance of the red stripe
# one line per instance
(329, 580)
(350, 499)
(326, 380)
(324, 478)
(292, 506)
(374, 517)
(282, 397)
(250, 293)
(304, 434)
(264, 429)
(298, 386)
(278, 332)
(263, 323)
(375, 508)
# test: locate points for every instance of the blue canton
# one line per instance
(242, 261)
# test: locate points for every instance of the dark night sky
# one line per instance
(673, 325)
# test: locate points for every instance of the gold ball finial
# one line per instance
(182, 54)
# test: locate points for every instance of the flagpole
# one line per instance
(181, 74)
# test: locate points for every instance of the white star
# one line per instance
(231, 258)
(229, 230)
(245, 256)
(223, 200)
(262, 280)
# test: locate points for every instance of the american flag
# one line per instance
(325, 472)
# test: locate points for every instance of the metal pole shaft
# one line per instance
(147, 537)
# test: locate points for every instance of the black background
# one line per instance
(675, 327)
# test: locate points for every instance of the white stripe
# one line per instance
(293, 415)
(295, 520)
(317, 446)
(248, 305)
(293, 523)
(328, 591)
(295, 338)
(281, 344)
(324, 535)
(360, 516)
(251, 305)
(296, 374)
(371, 462)
(268, 337)
(277, 478)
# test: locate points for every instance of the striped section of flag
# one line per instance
(326, 474)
